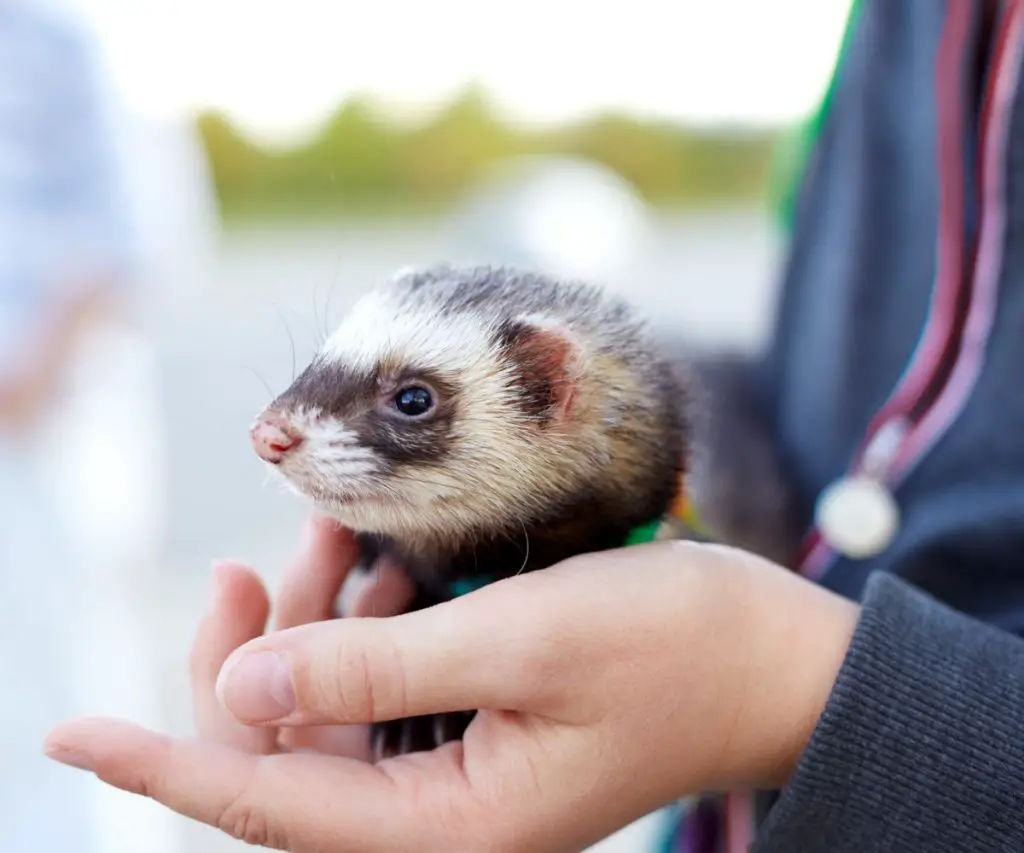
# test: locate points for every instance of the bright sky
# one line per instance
(281, 66)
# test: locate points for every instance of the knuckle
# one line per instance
(141, 783)
(248, 823)
(355, 685)
(144, 779)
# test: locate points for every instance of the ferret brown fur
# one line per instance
(557, 423)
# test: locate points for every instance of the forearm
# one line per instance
(920, 747)
(28, 384)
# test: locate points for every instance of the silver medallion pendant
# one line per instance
(857, 516)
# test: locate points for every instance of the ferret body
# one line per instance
(481, 422)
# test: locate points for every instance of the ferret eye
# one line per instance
(414, 402)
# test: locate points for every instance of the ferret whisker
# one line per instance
(255, 373)
(330, 295)
(317, 325)
(526, 559)
(327, 306)
(291, 339)
(270, 480)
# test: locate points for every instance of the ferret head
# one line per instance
(453, 404)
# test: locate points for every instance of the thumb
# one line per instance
(481, 651)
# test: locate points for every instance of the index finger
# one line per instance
(316, 575)
(238, 614)
(286, 802)
(309, 593)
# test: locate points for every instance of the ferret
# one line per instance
(479, 422)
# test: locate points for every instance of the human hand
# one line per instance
(610, 685)
(309, 593)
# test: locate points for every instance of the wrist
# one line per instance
(796, 635)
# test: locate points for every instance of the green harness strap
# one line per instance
(644, 533)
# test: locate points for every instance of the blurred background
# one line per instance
(193, 192)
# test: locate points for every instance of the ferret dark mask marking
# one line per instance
(359, 399)
(558, 429)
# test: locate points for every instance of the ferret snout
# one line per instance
(273, 438)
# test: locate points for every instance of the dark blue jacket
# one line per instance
(903, 302)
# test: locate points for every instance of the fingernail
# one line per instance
(70, 757)
(257, 687)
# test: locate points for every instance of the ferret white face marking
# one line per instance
(485, 422)
(433, 413)
(382, 325)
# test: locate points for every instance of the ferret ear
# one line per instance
(547, 360)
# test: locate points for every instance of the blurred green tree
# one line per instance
(361, 160)
(450, 151)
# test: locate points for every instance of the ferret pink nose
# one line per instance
(273, 439)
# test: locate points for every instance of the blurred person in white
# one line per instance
(71, 259)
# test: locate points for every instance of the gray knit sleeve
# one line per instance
(921, 746)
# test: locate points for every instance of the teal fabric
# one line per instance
(467, 585)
